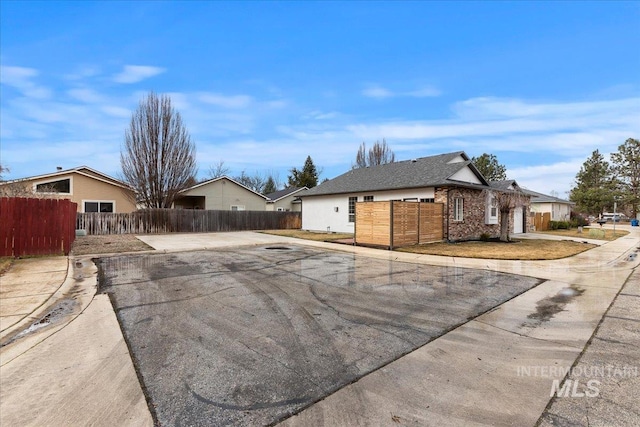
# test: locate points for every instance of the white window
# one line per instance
(280, 209)
(491, 210)
(352, 209)
(368, 198)
(458, 209)
(431, 200)
(98, 206)
(237, 207)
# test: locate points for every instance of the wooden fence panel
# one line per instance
(541, 221)
(393, 224)
(405, 223)
(154, 221)
(373, 223)
(36, 226)
(431, 222)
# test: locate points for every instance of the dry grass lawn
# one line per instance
(310, 235)
(528, 249)
(115, 243)
(588, 233)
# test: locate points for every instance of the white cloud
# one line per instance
(136, 73)
(85, 95)
(21, 79)
(425, 92)
(377, 92)
(224, 101)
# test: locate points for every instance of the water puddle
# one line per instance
(548, 307)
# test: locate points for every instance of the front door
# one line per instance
(518, 226)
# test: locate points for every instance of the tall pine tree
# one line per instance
(307, 177)
(595, 186)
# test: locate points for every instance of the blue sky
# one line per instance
(261, 85)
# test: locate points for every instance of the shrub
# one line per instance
(578, 220)
(485, 237)
(559, 225)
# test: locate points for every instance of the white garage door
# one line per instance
(518, 226)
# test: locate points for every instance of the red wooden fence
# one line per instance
(36, 226)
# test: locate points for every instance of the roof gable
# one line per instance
(277, 195)
(439, 170)
(81, 170)
(224, 177)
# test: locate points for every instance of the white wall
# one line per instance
(558, 211)
(466, 175)
(319, 212)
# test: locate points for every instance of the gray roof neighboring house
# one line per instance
(504, 185)
(544, 198)
(432, 171)
(277, 195)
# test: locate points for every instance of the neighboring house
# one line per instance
(221, 193)
(93, 191)
(559, 209)
(450, 179)
(287, 200)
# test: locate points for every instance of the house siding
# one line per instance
(222, 194)
(85, 188)
(558, 211)
(319, 212)
(286, 203)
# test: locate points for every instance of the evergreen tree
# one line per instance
(595, 186)
(307, 177)
(489, 167)
(270, 186)
(626, 166)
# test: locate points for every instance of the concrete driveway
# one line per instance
(251, 335)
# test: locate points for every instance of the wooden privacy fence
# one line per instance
(541, 221)
(149, 221)
(36, 226)
(395, 223)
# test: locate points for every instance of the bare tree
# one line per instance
(506, 201)
(23, 188)
(379, 154)
(217, 170)
(255, 182)
(159, 157)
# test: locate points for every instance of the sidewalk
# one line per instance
(74, 367)
(77, 369)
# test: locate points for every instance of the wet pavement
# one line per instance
(252, 335)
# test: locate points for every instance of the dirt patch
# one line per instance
(116, 243)
(526, 249)
(310, 235)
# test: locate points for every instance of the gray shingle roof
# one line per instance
(283, 193)
(503, 185)
(422, 172)
(545, 198)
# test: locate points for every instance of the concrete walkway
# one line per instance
(65, 363)
(76, 370)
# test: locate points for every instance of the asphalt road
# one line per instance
(249, 336)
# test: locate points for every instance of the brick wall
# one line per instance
(473, 223)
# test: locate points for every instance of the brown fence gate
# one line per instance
(36, 226)
(394, 223)
(541, 221)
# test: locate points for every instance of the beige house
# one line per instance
(93, 191)
(287, 200)
(559, 209)
(221, 193)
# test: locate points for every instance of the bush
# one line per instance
(578, 220)
(485, 237)
(559, 225)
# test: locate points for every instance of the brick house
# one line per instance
(450, 179)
